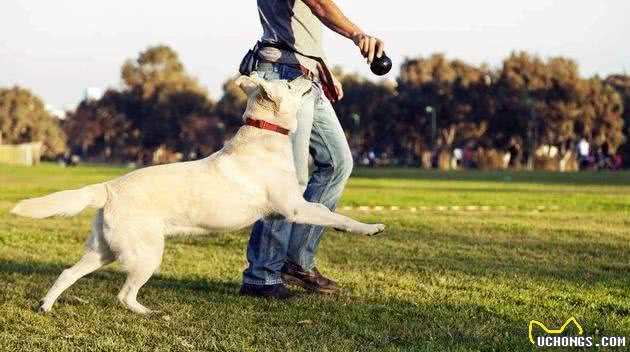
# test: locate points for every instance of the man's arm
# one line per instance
(332, 17)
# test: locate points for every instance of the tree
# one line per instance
(24, 119)
(161, 106)
(520, 90)
(528, 101)
(549, 103)
(101, 127)
(166, 96)
(360, 111)
(621, 83)
(458, 94)
(158, 71)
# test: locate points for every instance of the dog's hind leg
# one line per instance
(97, 254)
(141, 259)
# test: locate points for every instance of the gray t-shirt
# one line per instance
(290, 22)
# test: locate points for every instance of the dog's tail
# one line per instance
(64, 203)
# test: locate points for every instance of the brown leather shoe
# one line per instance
(293, 274)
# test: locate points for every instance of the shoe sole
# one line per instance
(294, 281)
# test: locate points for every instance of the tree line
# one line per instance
(435, 106)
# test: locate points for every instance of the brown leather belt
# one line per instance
(307, 73)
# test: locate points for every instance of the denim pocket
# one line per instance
(271, 71)
(289, 73)
(272, 76)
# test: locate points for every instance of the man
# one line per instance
(278, 251)
(584, 153)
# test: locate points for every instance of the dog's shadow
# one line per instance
(44, 274)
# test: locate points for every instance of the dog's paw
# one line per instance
(372, 229)
(43, 308)
(379, 228)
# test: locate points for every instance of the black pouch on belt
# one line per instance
(249, 62)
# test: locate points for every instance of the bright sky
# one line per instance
(57, 48)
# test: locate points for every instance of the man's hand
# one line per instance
(331, 16)
(338, 87)
(370, 46)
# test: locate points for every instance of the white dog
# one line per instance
(250, 178)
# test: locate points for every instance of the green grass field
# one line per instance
(439, 279)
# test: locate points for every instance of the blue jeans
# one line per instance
(273, 242)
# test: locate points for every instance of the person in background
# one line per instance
(618, 162)
(584, 151)
(607, 157)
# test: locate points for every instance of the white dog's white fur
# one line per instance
(252, 177)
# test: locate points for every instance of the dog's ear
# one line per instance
(248, 84)
(301, 85)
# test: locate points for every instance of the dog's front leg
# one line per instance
(317, 214)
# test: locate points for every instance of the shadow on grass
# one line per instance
(50, 271)
(384, 323)
(352, 320)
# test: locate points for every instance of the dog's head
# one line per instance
(274, 101)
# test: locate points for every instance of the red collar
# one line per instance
(266, 126)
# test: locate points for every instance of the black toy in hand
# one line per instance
(381, 65)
